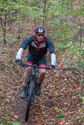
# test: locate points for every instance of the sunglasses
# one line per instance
(40, 34)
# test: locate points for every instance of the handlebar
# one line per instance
(23, 64)
(35, 66)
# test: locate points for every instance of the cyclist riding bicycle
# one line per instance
(38, 45)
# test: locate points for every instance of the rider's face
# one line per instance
(40, 37)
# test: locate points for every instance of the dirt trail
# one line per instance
(56, 96)
(35, 116)
(60, 95)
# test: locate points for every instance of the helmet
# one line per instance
(39, 29)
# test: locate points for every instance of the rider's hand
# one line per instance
(18, 61)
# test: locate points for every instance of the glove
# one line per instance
(18, 61)
(52, 66)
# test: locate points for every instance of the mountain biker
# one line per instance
(38, 45)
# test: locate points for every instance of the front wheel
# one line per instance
(30, 92)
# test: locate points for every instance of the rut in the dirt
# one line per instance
(35, 115)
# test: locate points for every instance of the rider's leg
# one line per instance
(40, 81)
(26, 75)
(28, 70)
(42, 73)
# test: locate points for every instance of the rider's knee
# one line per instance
(28, 69)
(42, 71)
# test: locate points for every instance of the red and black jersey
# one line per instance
(38, 49)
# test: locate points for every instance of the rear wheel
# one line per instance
(30, 94)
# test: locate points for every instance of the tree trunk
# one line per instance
(3, 25)
(44, 12)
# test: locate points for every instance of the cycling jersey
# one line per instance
(38, 49)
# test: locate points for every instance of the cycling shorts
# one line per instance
(41, 61)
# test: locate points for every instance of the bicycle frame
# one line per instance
(32, 84)
(35, 68)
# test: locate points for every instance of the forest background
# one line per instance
(64, 23)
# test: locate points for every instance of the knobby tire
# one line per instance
(31, 88)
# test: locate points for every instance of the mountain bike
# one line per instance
(32, 86)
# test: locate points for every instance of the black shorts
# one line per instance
(41, 61)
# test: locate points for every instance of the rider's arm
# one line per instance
(52, 51)
(19, 53)
(53, 59)
(23, 46)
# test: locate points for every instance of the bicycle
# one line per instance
(32, 86)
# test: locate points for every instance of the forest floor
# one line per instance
(60, 95)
